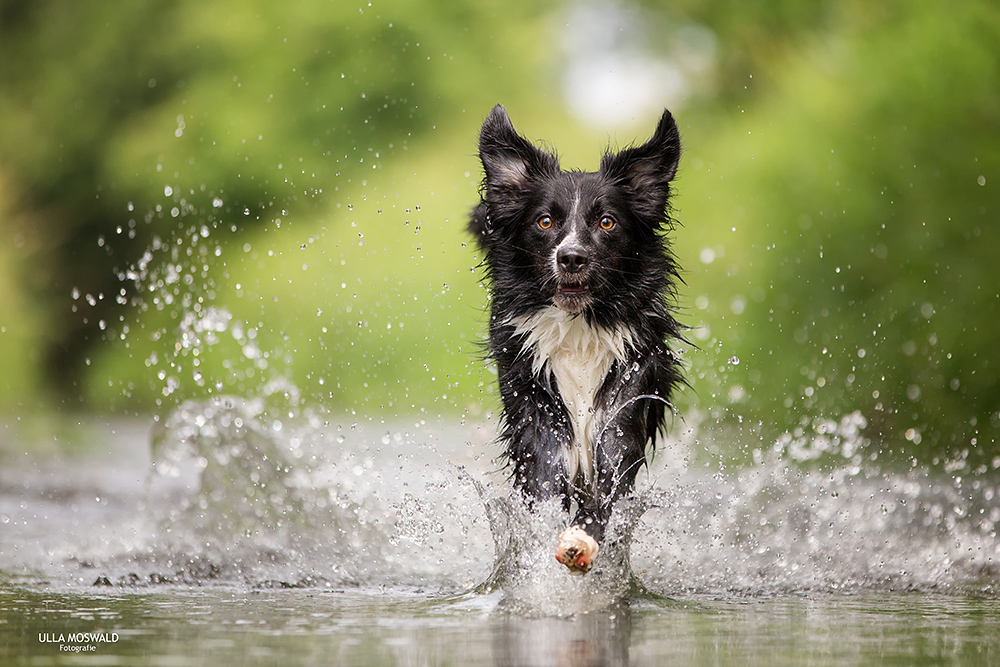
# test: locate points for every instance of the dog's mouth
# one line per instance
(572, 289)
(572, 297)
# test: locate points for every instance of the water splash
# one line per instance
(295, 505)
(816, 512)
(525, 568)
(270, 493)
(192, 342)
(262, 492)
(402, 508)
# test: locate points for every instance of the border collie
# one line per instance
(582, 282)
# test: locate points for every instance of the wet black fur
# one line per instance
(631, 276)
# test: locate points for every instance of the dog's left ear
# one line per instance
(648, 169)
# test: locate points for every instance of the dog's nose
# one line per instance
(571, 259)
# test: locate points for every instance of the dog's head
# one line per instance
(576, 240)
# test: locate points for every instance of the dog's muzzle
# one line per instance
(572, 292)
(571, 260)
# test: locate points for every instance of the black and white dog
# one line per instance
(581, 321)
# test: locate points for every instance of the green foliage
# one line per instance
(860, 200)
(204, 197)
(127, 128)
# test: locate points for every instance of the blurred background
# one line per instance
(257, 198)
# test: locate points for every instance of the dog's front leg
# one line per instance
(616, 468)
(536, 434)
(618, 455)
(540, 465)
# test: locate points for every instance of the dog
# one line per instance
(582, 284)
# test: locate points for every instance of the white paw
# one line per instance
(576, 550)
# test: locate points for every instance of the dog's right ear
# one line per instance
(509, 160)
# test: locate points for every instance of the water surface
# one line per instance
(235, 532)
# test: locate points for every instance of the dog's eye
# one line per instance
(545, 222)
(607, 222)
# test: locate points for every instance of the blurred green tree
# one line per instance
(838, 188)
(114, 118)
(859, 219)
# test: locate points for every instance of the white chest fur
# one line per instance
(579, 356)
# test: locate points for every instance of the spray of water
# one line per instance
(266, 491)
(421, 509)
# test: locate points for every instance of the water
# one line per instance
(367, 627)
(245, 532)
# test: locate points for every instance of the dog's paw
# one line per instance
(576, 550)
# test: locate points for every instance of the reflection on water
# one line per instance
(256, 531)
(590, 640)
(199, 626)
